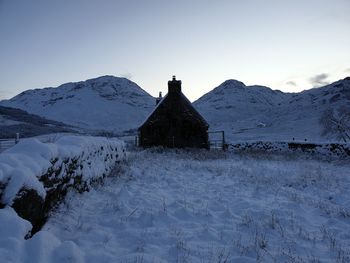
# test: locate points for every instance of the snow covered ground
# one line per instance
(177, 206)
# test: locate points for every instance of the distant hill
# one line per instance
(16, 120)
(245, 113)
(105, 103)
(260, 113)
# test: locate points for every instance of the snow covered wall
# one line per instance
(35, 176)
(335, 150)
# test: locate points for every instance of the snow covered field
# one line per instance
(203, 206)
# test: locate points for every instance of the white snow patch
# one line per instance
(42, 248)
(12, 225)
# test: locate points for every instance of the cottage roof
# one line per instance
(186, 105)
(149, 115)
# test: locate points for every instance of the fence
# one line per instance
(217, 140)
(131, 141)
(6, 143)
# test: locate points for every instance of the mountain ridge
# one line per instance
(253, 112)
(260, 113)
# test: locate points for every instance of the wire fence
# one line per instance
(6, 144)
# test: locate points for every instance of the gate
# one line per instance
(217, 140)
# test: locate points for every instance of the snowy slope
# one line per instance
(104, 103)
(259, 113)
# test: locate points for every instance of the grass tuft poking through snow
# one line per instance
(199, 206)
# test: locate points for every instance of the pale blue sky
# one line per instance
(278, 43)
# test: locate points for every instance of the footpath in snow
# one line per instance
(180, 206)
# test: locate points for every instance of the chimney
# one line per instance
(174, 86)
(159, 98)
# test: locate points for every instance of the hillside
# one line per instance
(16, 120)
(104, 103)
(259, 113)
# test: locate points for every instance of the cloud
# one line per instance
(291, 83)
(319, 80)
(347, 70)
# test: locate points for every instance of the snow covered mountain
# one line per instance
(259, 113)
(104, 103)
(243, 112)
